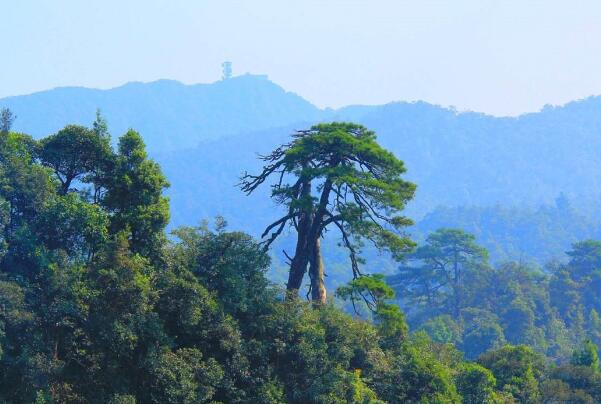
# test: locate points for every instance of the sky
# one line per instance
(498, 57)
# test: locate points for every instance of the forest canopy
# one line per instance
(99, 305)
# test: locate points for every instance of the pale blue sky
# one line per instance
(499, 57)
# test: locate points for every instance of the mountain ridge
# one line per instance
(186, 113)
(191, 113)
(205, 136)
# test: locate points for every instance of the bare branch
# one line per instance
(288, 257)
(351, 248)
(282, 223)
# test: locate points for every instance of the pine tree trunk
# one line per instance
(308, 249)
(302, 255)
(316, 269)
(299, 263)
(318, 289)
(298, 267)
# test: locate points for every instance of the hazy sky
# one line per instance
(501, 57)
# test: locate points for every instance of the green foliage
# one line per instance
(14, 315)
(69, 223)
(183, 377)
(585, 258)
(436, 281)
(555, 391)
(98, 305)
(335, 176)
(375, 293)
(74, 153)
(7, 118)
(442, 329)
(481, 332)
(134, 196)
(230, 263)
(372, 286)
(579, 383)
(594, 326)
(517, 369)
(24, 185)
(521, 233)
(461, 298)
(476, 384)
(415, 374)
(587, 356)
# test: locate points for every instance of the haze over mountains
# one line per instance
(169, 114)
(206, 135)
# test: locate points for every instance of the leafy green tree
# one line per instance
(134, 197)
(518, 295)
(316, 352)
(574, 290)
(183, 377)
(587, 355)
(347, 387)
(74, 153)
(100, 125)
(335, 176)
(192, 318)
(585, 384)
(415, 374)
(7, 118)
(443, 329)
(24, 185)
(231, 264)
(443, 262)
(121, 321)
(594, 326)
(59, 346)
(16, 320)
(584, 269)
(377, 294)
(585, 257)
(518, 370)
(520, 321)
(25, 189)
(555, 391)
(476, 384)
(481, 332)
(71, 224)
(580, 384)
(566, 295)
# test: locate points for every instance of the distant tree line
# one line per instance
(449, 289)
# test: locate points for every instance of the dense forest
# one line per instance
(534, 235)
(99, 304)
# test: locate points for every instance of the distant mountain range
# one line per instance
(206, 135)
(169, 114)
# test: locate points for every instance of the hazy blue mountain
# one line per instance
(205, 136)
(169, 114)
(503, 168)
(470, 158)
(455, 158)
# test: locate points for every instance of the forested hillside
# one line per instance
(449, 288)
(98, 305)
(458, 159)
(527, 234)
(497, 178)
